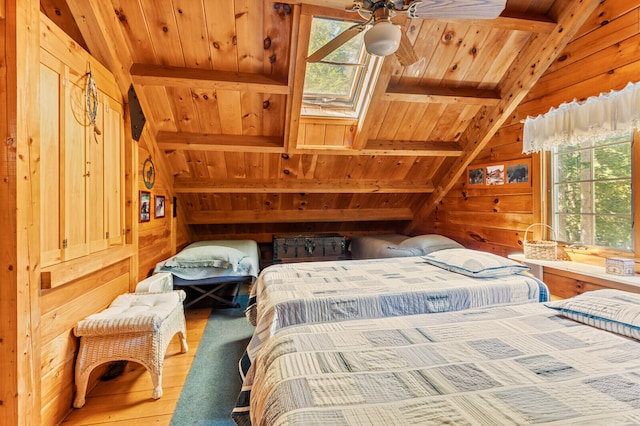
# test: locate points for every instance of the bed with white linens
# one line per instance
(575, 361)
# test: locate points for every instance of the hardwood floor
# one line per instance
(126, 400)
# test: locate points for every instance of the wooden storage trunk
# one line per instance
(308, 247)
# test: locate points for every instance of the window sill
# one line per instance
(574, 267)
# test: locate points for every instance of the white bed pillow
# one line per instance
(208, 256)
(612, 310)
(474, 263)
(425, 244)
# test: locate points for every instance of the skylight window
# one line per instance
(336, 87)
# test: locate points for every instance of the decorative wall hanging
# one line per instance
(509, 173)
(610, 114)
(148, 173)
(145, 206)
(159, 211)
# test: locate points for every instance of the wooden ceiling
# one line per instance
(220, 83)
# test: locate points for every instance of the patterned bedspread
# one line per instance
(318, 292)
(521, 364)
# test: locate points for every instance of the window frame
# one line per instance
(586, 253)
(362, 85)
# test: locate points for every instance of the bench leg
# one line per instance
(81, 389)
(156, 378)
(183, 342)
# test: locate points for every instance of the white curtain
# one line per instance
(572, 123)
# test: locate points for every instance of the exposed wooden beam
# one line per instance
(412, 148)
(527, 68)
(517, 21)
(292, 186)
(167, 76)
(168, 141)
(443, 95)
(292, 216)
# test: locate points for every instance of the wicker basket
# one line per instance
(540, 249)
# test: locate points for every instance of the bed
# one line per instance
(575, 361)
(214, 269)
(322, 292)
(397, 245)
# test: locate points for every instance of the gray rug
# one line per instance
(213, 382)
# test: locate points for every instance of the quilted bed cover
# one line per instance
(516, 364)
(319, 292)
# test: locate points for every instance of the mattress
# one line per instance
(515, 364)
(206, 266)
(321, 292)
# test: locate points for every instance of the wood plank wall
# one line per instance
(604, 56)
(159, 238)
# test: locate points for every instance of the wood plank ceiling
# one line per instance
(220, 83)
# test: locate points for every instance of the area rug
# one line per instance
(213, 382)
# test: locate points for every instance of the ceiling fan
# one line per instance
(383, 38)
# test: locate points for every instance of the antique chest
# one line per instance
(308, 247)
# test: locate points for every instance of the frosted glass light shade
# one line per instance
(382, 39)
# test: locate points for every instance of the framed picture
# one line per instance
(159, 211)
(476, 175)
(495, 175)
(518, 173)
(515, 173)
(145, 206)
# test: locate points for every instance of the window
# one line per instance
(591, 193)
(337, 85)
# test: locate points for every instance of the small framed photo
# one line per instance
(475, 175)
(517, 173)
(495, 175)
(145, 206)
(159, 211)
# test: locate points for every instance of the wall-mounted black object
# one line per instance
(137, 116)
(175, 207)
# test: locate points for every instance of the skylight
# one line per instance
(336, 87)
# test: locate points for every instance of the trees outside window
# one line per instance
(591, 190)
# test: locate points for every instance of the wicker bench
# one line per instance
(135, 327)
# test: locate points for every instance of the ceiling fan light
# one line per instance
(383, 38)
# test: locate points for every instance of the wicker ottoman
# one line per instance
(135, 327)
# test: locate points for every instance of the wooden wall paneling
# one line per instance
(606, 12)
(191, 25)
(159, 107)
(19, 217)
(57, 379)
(427, 121)
(597, 39)
(621, 53)
(206, 108)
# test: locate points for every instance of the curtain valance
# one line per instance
(572, 123)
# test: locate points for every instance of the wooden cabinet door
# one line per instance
(95, 137)
(50, 161)
(113, 129)
(74, 163)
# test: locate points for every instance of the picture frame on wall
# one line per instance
(513, 174)
(160, 205)
(145, 206)
(475, 175)
(495, 174)
(517, 173)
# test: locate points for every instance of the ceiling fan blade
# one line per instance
(456, 9)
(405, 53)
(341, 39)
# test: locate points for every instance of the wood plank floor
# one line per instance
(126, 400)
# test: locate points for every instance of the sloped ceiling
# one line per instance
(220, 83)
